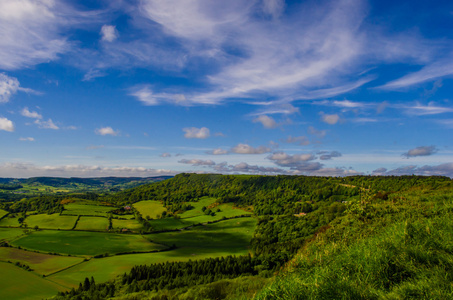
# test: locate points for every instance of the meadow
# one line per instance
(84, 243)
(128, 224)
(150, 208)
(92, 223)
(53, 221)
(86, 210)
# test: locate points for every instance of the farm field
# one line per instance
(93, 223)
(12, 279)
(53, 221)
(10, 233)
(3, 213)
(149, 208)
(9, 221)
(42, 264)
(129, 224)
(86, 210)
(230, 237)
(84, 243)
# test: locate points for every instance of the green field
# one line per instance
(3, 213)
(53, 221)
(16, 283)
(93, 223)
(129, 224)
(84, 243)
(10, 233)
(149, 208)
(230, 237)
(10, 221)
(86, 210)
(42, 264)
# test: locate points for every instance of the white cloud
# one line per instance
(27, 139)
(30, 32)
(26, 170)
(6, 124)
(106, 131)
(218, 151)
(324, 155)
(300, 140)
(8, 87)
(430, 109)
(196, 133)
(273, 7)
(421, 151)
(109, 33)
(49, 124)
(266, 121)
(197, 162)
(318, 133)
(30, 114)
(247, 149)
(165, 154)
(145, 95)
(285, 160)
(330, 119)
(445, 169)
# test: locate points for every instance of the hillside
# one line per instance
(316, 238)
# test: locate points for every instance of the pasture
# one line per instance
(230, 237)
(3, 213)
(53, 221)
(43, 264)
(9, 234)
(129, 224)
(86, 210)
(16, 283)
(10, 221)
(149, 208)
(93, 223)
(84, 243)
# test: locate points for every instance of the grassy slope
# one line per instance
(401, 249)
(12, 285)
(86, 210)
(53, 221)
(149, 208)
(93, 223)
(84, 243)
(214, 240)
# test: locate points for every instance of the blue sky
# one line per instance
(147, 88)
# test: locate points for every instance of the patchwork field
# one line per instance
(129, 224)
(42, 264)
(53, 221)
(150, 208)
(10, 233)
(230, 237)
(84, 243)
(3, 213)
(10, 221)
(12, 279)
(86, 210)
(93, 223)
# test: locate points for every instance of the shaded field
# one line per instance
(10, 233)
(43, 264)
(93, 223)
(53, 221)
(10, 221)
(84, 243)
(129, 224)
(3, 213)
(231, 237)
(87, 210)
(12, 285)
(149, 208)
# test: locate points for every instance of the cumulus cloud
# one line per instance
(109, 33)
(49, 124)
(318, 133)
(165, 154)
(323, 155)
(300, 140)
(266, 121)
(218, 151)
(8, 87)
(445, 169)
(420, 151)
(197, 162)
(286, 160)
(196, 133)
(27, 139)
(6, 124)
(247, 149)
(30, 114)
(106, 131)
(330, 119)
(26, 170)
